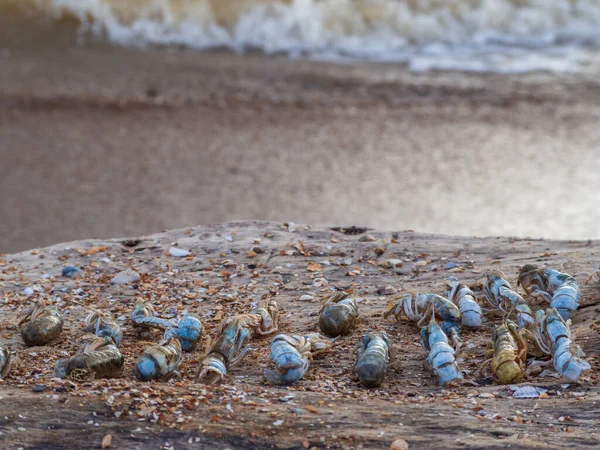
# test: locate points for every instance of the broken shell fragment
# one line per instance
(367, 238)
(178, 252)
(126, 277)
(527, 391)
(6, 358)
(391, 263)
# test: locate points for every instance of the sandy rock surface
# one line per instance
(234, 266)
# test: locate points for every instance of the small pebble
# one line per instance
(450, 265)
(399, 444)
(306, 298)
(71, 272)
(38, 388)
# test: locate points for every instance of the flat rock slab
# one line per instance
(234, 266)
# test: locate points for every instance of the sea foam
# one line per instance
(476, 35)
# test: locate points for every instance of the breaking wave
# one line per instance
(478, 35)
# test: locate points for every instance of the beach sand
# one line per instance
(99, 141)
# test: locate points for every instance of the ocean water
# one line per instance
(506, 36)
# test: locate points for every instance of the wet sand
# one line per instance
(99, 142)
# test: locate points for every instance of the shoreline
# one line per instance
(97, 72)
(102, 141)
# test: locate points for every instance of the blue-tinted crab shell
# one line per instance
(373, 360)
(189, 332)
(158, 361)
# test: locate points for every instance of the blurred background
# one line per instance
(468, 117)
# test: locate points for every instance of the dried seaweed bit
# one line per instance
(353, 230)
(386, 290)
(126, 277)
(527, 391)
(131, 242)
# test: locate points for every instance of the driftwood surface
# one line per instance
(232, 267)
